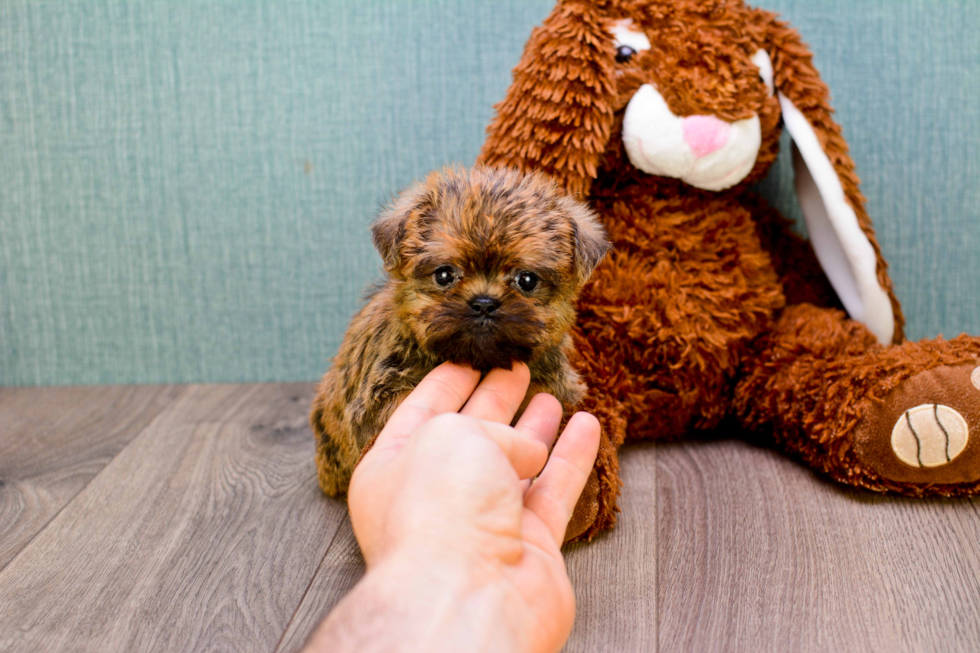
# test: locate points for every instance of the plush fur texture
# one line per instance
(709, 308)
(455, 248)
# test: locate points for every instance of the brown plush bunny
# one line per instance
(661, 113)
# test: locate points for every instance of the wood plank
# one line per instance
(208, 532)
(342, 567)
(615, 575)
(202, 534)
(758, 553)
(53, 441)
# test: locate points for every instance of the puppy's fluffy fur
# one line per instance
(483, 268)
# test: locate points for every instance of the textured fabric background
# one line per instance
(185, 186)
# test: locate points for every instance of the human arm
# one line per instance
(459, 556)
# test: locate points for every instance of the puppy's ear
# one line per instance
(390, 227)
(827, 185)
(557, 116)
(591, 243)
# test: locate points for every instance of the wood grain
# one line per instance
(202, 534)
(758, 553)
(140, 519)
(53, 441)
(342, 567)
(615, 575)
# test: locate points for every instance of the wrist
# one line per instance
(421, 600)
(457, 603)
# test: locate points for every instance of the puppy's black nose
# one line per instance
(483, 305)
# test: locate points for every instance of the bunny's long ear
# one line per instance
(557, 116)
(827, 188)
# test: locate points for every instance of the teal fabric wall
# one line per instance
(185, 186)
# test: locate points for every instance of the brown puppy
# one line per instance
(483, 268)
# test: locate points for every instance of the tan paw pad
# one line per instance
(930, 435)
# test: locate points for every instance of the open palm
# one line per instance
(448, 481)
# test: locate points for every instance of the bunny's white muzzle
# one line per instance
(702, 151)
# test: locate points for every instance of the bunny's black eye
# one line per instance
(624, 53)
(444, 275)
(527, 281)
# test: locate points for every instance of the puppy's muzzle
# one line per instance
(484, 305)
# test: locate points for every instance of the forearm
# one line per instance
(408, 604)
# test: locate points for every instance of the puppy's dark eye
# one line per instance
(444, 275)
(624, 53)
(527, 281)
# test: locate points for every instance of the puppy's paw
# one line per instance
(333, 468)
(927, 430)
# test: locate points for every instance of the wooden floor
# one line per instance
(188, 518)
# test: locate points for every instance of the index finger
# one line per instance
(443, 390)
(499, 395)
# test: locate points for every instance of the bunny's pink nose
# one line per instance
(705, 134)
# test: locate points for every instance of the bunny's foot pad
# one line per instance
(927, 430)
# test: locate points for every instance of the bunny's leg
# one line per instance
(597, 506)
(665, 319)
(662, 326)
(902, 418)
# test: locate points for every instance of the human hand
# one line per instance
(449, 528)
